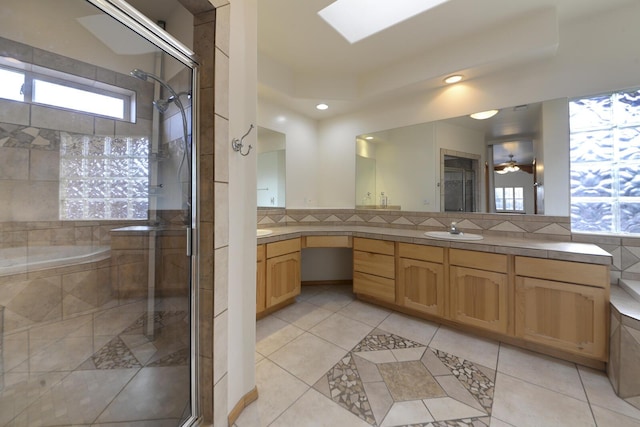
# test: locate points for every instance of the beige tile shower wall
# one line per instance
(30, 135)
(56, 233)
(205, 20)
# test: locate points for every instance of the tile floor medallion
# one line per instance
(388, 380)
(156, 351)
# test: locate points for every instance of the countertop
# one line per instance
(565, 251)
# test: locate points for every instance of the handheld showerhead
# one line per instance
(139, 74)
(162, 105)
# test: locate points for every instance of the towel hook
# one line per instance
(238, 144)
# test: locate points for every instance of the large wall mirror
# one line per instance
(463, 164)
(271, 175)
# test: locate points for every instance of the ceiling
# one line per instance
(304, 61)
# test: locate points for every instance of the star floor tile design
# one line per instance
(409, 384)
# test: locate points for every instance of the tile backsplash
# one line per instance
(624, 250)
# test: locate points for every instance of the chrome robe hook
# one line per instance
(238, 144)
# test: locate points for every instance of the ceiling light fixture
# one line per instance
(510, 167)
(483, 115)
(371, 19)
(368, 138)
(455, 78)
(322, 106)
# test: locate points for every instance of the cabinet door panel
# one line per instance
(563, 315)
(283, 278)
(377, 287)
(421, 286)
(479, 298)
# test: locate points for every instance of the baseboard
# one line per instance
(246, 400)
(327, 282)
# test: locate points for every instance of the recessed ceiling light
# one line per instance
(368, 138)
(483, 115)
(322, 106)
(341, 15)
(455, 78)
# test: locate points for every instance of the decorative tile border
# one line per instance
(344, 385)
(625, 250)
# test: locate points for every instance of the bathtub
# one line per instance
(33, 258)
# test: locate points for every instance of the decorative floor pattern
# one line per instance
(116, 354)
(412, 375)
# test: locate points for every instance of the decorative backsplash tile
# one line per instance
(625, 250)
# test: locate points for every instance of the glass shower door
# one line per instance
(96, 294)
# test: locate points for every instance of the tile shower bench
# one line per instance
(547, 296)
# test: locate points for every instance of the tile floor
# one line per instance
(331, 360)
(99, 369)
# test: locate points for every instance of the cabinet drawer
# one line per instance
(479, 260)
(374, 286)
(380, 265)
(328, 242)
(283, 247)
(419, 252)
(370, 245)
(563, 271)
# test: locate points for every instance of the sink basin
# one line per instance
(448, 236)
(261, 232)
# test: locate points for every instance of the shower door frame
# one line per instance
(147, 29)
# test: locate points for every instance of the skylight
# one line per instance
(358, 19)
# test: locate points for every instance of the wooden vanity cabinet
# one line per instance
(261, 279)
(479, 289)
(421, 278)
(282, 271)
(563, 305)
(374, 268)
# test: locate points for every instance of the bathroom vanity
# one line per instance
(548, 296)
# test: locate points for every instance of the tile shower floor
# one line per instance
(330, 360)
(99, 369)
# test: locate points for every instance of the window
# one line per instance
(56, 89)
(103, 178)
(11, 84)
(510, 199)
(605, 160)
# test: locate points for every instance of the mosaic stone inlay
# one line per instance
(28, 137)
(347, 389)
(160, 319)
(471, 378)
(464, 422)
(384, 341)
(115, 355)
(179, 358)
(345, 386)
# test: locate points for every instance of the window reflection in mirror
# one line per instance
(514, 177)
(271, 175)
(406, 163)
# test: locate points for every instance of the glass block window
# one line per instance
(103, 178)
(509, 199)
(605, 163)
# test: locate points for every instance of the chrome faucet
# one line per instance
(453, 228)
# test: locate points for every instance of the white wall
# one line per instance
(301, 152)
(242, 199)
(555, 142)
(595, 55)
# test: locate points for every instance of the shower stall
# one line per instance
(97, 269)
